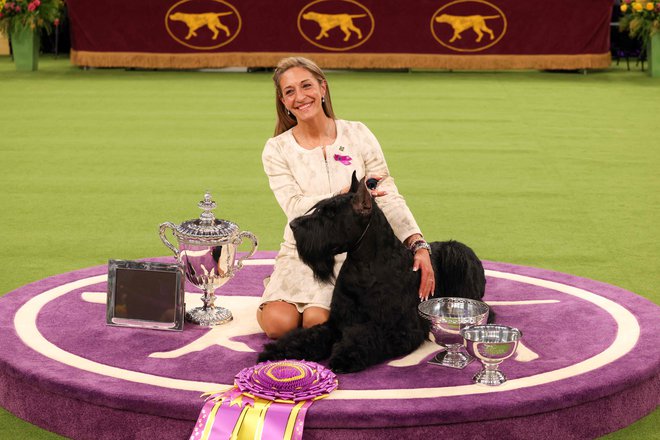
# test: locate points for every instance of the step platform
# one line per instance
(588, 364)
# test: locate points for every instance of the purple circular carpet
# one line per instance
(588, 364)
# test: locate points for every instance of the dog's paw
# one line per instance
(271, 352)
(342, 363)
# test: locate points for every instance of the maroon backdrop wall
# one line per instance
(453, 34)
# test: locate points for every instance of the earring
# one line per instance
(323, 100)
(288, 112)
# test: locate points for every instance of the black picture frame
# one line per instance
(145, 294)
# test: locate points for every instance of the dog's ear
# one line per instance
(355, 184)
(363, 199)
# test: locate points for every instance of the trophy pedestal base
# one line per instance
(492, 378)
(209, 317)
(451, 360)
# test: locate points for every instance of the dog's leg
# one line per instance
(368, 344)
(323, 33)
(479, 33)
(355, 29)
(346, 29)
(223, 27)
(489, 31)
(212, 28)
(311, 344)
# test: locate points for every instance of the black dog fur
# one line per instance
(373, 313)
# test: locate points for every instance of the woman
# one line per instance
(311, 158)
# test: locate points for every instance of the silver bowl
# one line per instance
(448, 316)
(492, 344)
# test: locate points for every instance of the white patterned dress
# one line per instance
(300, 178)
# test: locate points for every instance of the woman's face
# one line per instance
(302, 93)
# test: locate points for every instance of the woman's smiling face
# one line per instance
(301, 93)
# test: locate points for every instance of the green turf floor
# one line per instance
(552, 170)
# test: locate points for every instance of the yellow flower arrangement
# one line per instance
(640, 18)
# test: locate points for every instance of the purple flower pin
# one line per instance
(345, 160)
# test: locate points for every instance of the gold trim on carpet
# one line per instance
(341, 61)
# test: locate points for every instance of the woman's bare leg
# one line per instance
(278, 318)
(314, 315)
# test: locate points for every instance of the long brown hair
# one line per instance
(284, 120)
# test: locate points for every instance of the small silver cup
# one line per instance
(447, 317)
(492, 344)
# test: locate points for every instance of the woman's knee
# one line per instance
(314, 315)
(278, 318)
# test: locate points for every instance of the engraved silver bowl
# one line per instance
(492, 344)
(448, 316)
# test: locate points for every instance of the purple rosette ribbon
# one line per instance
(287, 380)
(268, 402)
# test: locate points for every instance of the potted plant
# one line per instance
(22, 21)
(641, 19)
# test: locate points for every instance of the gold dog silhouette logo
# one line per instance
(468, 25)
(336, 25)
(203, 24)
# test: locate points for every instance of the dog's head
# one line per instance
(331, 227)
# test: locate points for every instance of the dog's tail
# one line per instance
(458, 272)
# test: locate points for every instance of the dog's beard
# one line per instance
(323, 268)
(316, 254)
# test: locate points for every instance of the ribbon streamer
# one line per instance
(269, 401)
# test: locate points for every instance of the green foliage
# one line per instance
(34, 14)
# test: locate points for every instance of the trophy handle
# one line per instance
(163, 228)
(239, 241)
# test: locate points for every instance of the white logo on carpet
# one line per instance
(25, 324)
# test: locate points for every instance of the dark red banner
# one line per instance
(340, 33)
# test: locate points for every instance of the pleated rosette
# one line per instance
(268, 401)
(287, 380)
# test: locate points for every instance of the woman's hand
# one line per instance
(374, 192)
(427, 283)
(422, 260)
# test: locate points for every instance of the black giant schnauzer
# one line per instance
(373, 313)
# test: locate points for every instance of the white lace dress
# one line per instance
(300, 178)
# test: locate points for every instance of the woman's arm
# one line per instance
(399, 215)
(392, 203)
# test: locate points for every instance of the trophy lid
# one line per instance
(206, 227)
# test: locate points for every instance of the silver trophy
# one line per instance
(492, 344)
(207, 252)
(448, 316)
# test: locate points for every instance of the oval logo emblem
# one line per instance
(336, 25)
(468, 25)
(203, 24)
